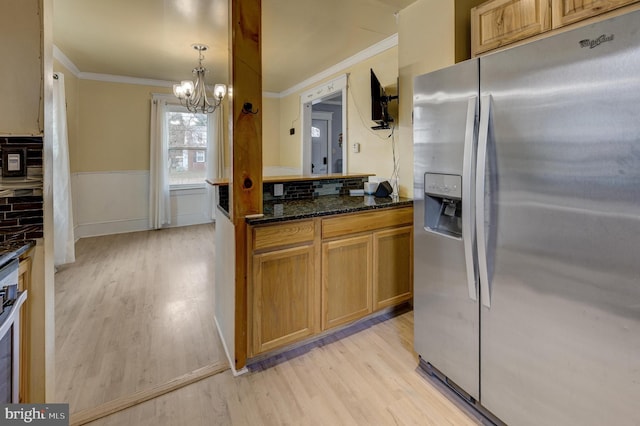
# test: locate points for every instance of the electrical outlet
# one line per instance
(355, 147)
(278, 190)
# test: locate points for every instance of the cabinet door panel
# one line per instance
(283, 297)
(569, 11)
(346, 280)
(393, 266)
(501, 22)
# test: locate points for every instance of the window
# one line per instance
(187, 141)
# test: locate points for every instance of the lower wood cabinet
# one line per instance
(393, 272)
(283, 297)
(312, 275)
(346, 280)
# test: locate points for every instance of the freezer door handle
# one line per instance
(468, 225)
(481, 235)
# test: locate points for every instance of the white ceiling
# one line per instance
(152, 38)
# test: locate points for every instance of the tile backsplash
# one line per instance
(21, 211)
(296, 190)
(302, 189)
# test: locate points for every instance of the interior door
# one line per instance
(560, 321)
(319, 146)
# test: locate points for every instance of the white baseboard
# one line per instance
(189, 219)
(86, 230)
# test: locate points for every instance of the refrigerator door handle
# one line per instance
(483, 137)
(468, 225)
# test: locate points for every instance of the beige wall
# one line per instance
(270, 131)
(113, 131)
(289, 146)
(375, 146)
(419, 52)
(21, 84)
(375, 154)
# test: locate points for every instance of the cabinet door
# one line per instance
(569, 11)
(393, 266)
(500, 22)
(346, 280)
(283, 297)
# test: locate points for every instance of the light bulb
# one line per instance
(219, 91)
(187, 86)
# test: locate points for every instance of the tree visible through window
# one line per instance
(187, 147)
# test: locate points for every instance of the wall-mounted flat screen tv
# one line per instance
(379, 104)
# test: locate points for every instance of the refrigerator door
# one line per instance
(446, 311)
(561, 331)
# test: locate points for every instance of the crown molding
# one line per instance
(64, 60)
(110, 78)
(369, 52)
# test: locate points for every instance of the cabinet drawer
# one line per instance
(368, 221)
(500, 22)
(287, 233)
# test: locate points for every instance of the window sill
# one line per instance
(187, 187)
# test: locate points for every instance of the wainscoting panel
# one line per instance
(115, 202)
(110, 202)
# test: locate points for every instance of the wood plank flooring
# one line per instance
(133, 312)
(366, 378)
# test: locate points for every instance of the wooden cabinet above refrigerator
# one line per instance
(499, 23)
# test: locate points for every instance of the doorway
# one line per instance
(324, 128)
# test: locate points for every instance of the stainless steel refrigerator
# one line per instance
(527, 227)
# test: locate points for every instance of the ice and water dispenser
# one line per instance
(443, 204)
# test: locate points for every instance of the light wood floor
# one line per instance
(133, 312)
(367, 378)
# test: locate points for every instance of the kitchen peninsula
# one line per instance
(318, 258)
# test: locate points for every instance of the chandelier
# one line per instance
(193, 94)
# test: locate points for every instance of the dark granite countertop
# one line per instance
(279, 211)
(11, 249)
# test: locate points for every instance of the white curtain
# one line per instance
(159, 196)
(63, 239)
(215, 156)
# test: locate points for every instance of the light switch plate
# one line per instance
(355, 147)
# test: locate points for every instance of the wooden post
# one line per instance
(245, 182)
